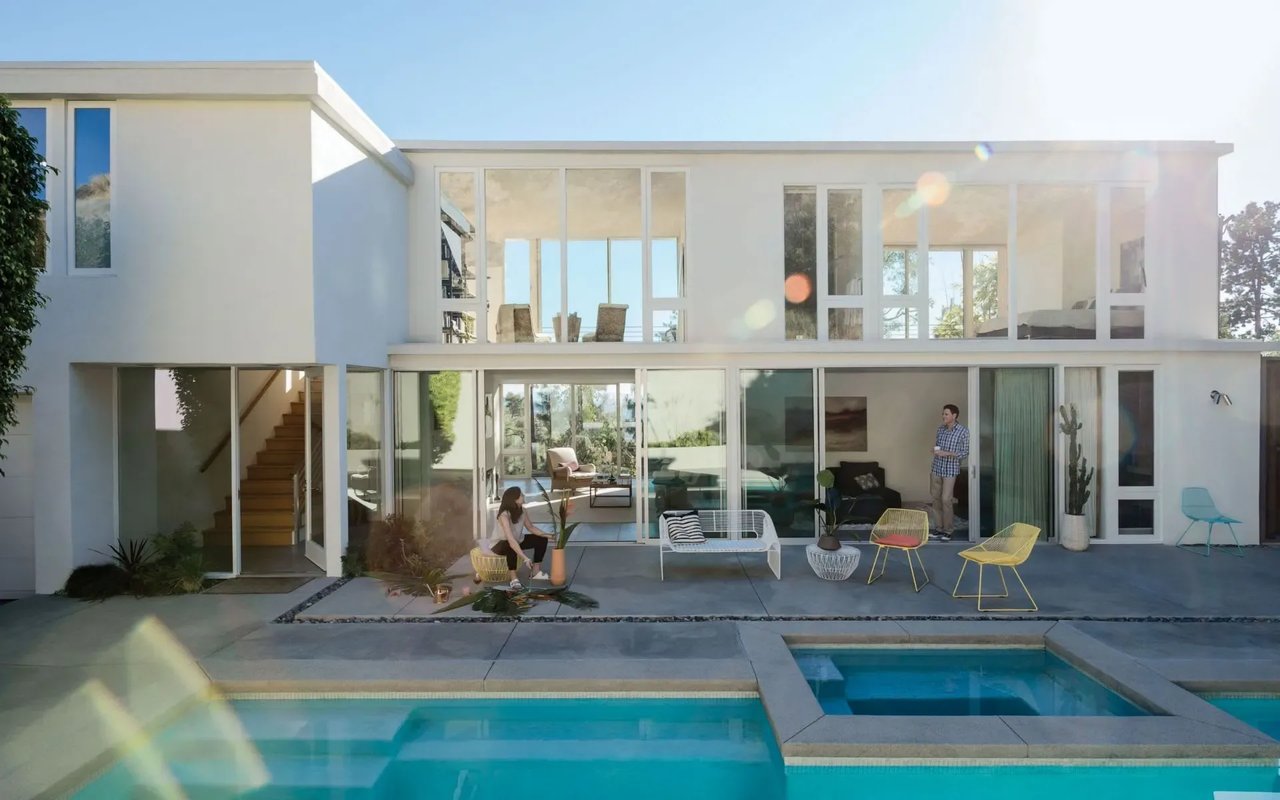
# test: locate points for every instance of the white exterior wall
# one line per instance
(17, 520)
(360, 234)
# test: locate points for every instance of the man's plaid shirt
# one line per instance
(955, 440)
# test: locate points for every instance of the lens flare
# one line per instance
(759, 314)
(933, 188)
(798, 288)
(983, 151)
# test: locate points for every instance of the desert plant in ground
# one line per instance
(413, 556)
(130, 556)
(178, 566)
(96, 582)
(512, 603)
(417, 577)
(353, 563)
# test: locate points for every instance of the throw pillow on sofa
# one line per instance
(867, 482)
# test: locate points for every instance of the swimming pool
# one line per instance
(944, 682)
(1262, 711)
(369, 749)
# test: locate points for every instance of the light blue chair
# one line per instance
(1198, 506)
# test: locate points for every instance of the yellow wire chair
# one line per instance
(489, 568)
(1009, 548)
(900, 529)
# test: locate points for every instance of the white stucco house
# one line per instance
(242, 266)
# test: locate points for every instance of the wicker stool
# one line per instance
(488, 567)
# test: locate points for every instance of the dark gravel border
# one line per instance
(291, 617)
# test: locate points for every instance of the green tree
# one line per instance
(1249, 268)
(22, 245)
(444, 389)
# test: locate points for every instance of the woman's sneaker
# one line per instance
(541, 576)
(516, 585)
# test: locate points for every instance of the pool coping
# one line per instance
(1187, 727)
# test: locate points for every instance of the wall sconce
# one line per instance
(1220, 398)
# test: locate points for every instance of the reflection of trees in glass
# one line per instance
(444, 389)
(585, 417)
(513, 419)
(800, 257)
(1249, 251)
(986, 286)
(704, 437)
(93, 223)
(900, 270)
(899, 322)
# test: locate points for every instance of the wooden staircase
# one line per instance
(266, 494)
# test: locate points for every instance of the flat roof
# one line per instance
(1038, 146)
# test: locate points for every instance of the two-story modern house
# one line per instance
(270, 321)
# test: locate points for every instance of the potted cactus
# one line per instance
(1075, 525)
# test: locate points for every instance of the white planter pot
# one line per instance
(1074, 534)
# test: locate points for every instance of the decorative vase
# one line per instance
(557, 567)
(829, 541)
(1075, 532)
(442, 593)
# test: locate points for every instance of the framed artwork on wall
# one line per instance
(846, 424)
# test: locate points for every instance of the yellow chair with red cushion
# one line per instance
(900, 529)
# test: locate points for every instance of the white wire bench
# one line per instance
(727, 532)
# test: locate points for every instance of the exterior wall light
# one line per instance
(1220, 398)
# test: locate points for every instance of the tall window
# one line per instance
(605, 255)
(91, 137)
(667, 207)
(35, 120)
(522, 222)
(458, 257)
(968, 273)
(1056, 270)
(1128, 262)
(800, 261)
(1135, 457)
(900, 264)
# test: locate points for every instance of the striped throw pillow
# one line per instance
(685, 529)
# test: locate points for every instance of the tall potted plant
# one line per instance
(560, 511)
(1075, 525)
(828, 509)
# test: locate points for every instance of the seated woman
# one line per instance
(518, 534)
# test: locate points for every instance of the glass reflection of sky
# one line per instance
(93, 143)
(33, 119)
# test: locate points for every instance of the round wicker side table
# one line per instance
(833, 565)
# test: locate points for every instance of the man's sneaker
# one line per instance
(939, 536)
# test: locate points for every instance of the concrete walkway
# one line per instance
(80, 680)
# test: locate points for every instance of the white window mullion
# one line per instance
(482, 268)
(562, 335)
(1011, 254)
(646, 256)
(820, 279)
(922, 277)
(873, 262)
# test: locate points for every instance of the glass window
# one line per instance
(844, 324)
(1128, 239)
(666, 326)
(1056, 280)
(900, 234)
(605, 253)
(900, 322)
(844, 242)
(800, 261)
(1128, 322)
(778, 441)
(174, 462)
(687, 459)
(459, 326)
(522, 221)
(1136, 458)
(667, 233)
(35, 120)
(968, 279)
(364, 446)
(92, 164)
(436, 452)
(458, 234)
(1136, 517)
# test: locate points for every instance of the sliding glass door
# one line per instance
(1015, 424)
(684, 455)
(778, 441)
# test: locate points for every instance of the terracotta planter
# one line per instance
(557, 567)
(828, 541)
(1075, 532)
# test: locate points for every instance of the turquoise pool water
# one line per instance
(571, 749)
(1260, 711)
(944, 682)
(472, 749)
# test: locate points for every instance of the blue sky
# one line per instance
(909, 69)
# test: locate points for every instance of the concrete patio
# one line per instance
(92, 677)
(1115, 582)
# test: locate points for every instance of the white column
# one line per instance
(335, 468)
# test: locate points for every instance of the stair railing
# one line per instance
(300, 481)
(208, 462)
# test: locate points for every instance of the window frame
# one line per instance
(1114, 492)
(69, 186)
(54, 194)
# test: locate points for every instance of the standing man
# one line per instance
(950, 447)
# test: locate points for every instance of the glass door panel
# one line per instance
(778, 440)
(1015, 419)
(686, 460)
(515, 431)
(436, 453)
(313, 392)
